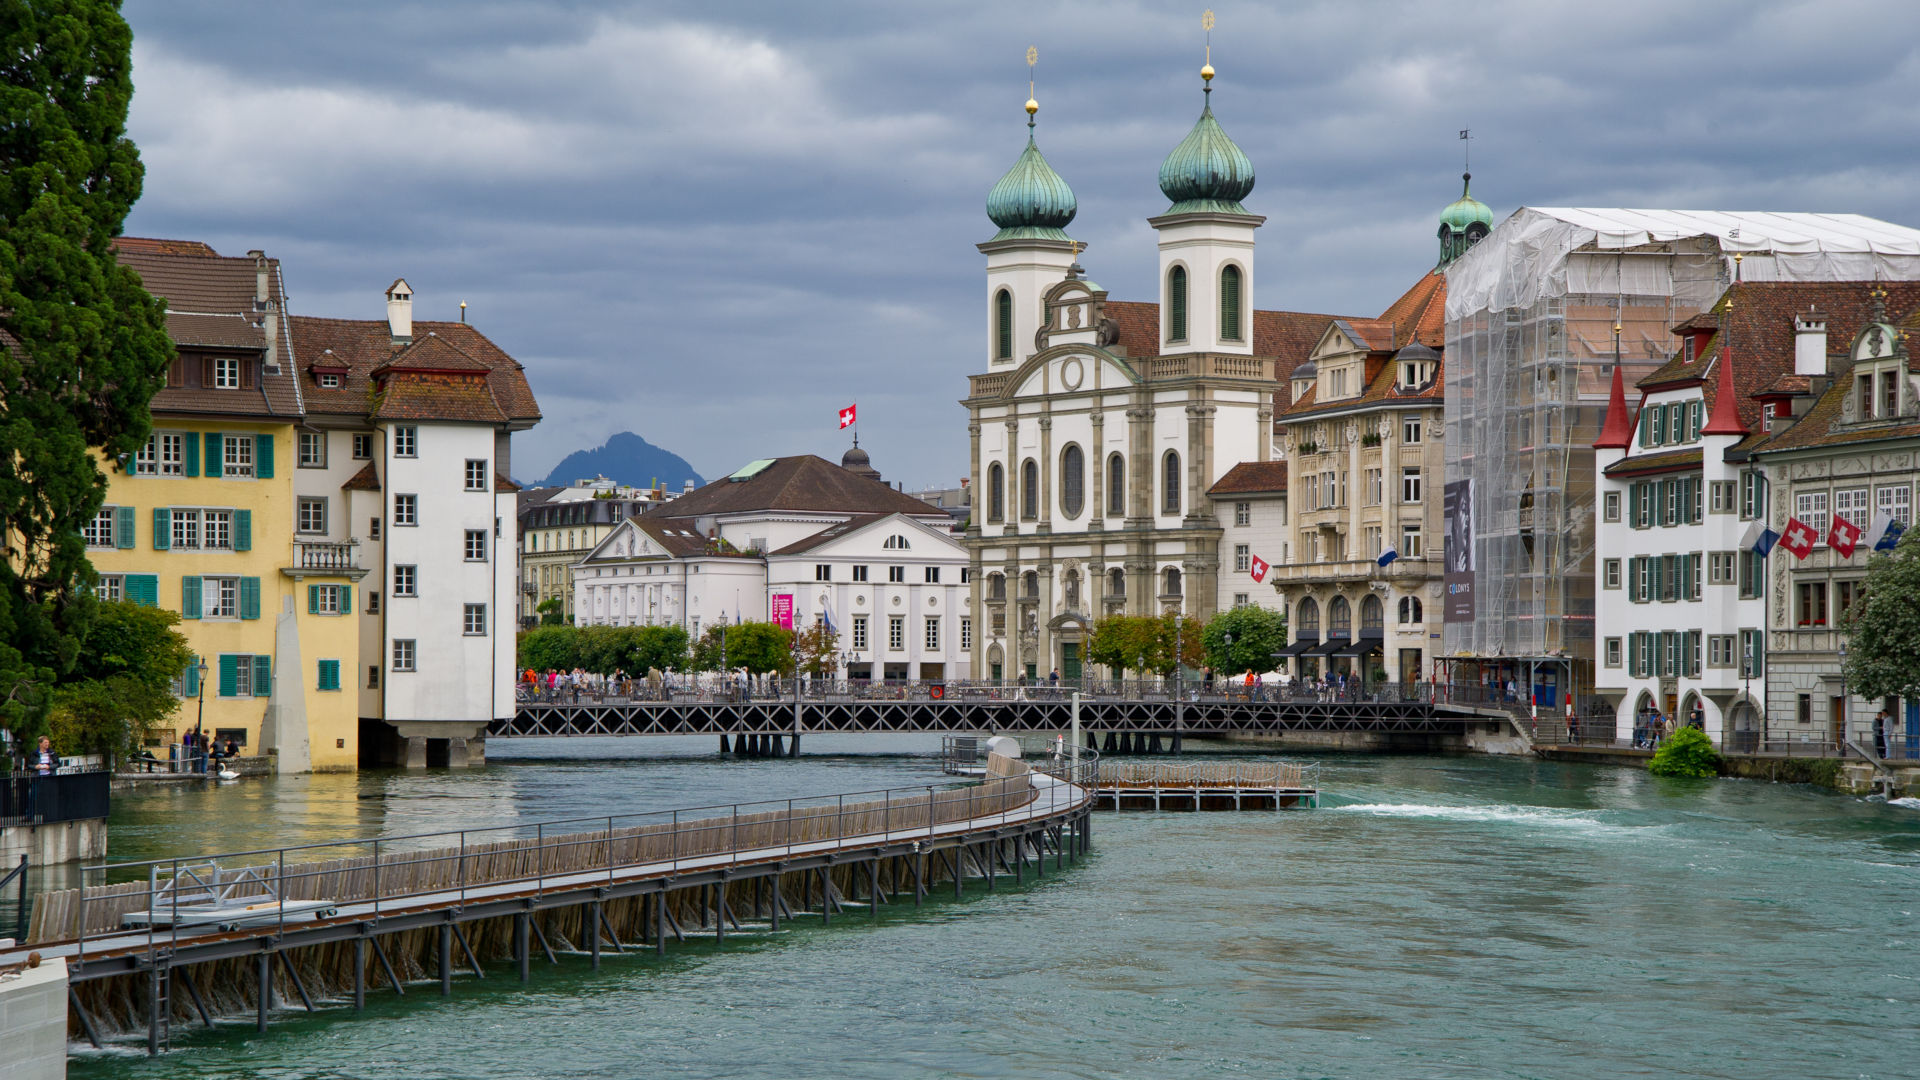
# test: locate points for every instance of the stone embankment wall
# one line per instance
(33, 1022)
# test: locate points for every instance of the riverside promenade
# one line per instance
(158, 942)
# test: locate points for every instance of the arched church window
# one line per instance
(997, 587)
(1309, 621)
(1030, 585)
(996, 493)
(1003, 325)
(1373, 615)
(1177, 304)
(1072, 590)
(1116, 582)
(1170, 483)
(1116, 486)
(1410, 610)
(1230, 303)
(1029, 490)
(1170, 581)
(1339, 618)
(1073, 481)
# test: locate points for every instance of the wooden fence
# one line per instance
(57, 915)
(1265, 776)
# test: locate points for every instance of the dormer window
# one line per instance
(226, 373)
(1686, 351)
(1415, 374)
(1889, 393)
(329, 382)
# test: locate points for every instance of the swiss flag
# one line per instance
(1258, 568)
(1799, 538)
(1843, 537)
(846, 416)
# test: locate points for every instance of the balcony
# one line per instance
(1352, 570)
(325, 558)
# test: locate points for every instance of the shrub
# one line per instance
(1687, 753)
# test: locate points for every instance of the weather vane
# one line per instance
(1033, 57)
(1206, 71)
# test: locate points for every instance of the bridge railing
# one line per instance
(707, 690)
(386, 874)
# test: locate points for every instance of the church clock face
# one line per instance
(1072, 373)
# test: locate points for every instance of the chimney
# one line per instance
(270, 317)
(400, 311)
(1810, 343)
(689, 484)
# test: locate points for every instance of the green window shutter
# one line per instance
(1230, 303)
(329, 675)
(142, 589)
(1003, 325)
(215, 453)
(346, 599)
(162, 527)
(1177, 304)
(190, 603)
(313, 599)
(191, 466)
(263, 456)
(191, 682)
(263, 676)
(229, 675)
(249, 597)
(243, 530)
(123, 528)
(1633, 654)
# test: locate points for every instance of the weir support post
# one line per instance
(522, 947)
(359, 974)
(446, 959)
(263, 972)
(593, 932)
(660, 922)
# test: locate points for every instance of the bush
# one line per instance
(1687, 753)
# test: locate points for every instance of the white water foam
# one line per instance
(1909, 802)
(1539, 816)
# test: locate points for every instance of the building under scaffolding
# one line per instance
(1532, 312)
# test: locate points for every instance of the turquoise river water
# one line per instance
(1436, 917)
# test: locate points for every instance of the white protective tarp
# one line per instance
(1552, 251)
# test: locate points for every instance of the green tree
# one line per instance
(1688, 752)
(86, 346)
(1257, 632)
(759, 647)
(1185, 633)
(121, 688)
(818, 649)
(1125, 643)
(663, 647)
(551, 612)
(1884, 627)
(549, 648)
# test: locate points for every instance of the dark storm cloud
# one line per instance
(716, 224)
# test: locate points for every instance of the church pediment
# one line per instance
(1069, 369)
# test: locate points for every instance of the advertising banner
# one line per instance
(1457, 507)
(783, 610)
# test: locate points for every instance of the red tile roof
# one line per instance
(1421, 312)
(145, 245)
(1252, 478)
(1286, 336)
(434, 395)
(362, 346)
(367, 479)
(210, 302)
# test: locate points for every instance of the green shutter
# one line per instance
(191, 682)
(123, 527)
(249, 597)
(243, 530)
(162, 528)
(229, 675)
(142, 589)
(1230, 303)
(346, 599)
(215, 454)
(190, 603)
(313, 599)
(191, 465)
(1177, 304)
(1003, 325)
(329, 675)
(1633, 654)
(263, 676)
(263, 456)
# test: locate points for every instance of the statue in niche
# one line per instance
(1073, 590)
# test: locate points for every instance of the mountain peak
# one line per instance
(625, 458)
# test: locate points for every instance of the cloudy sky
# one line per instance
(717, 223)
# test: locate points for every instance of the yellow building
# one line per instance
(202, 521)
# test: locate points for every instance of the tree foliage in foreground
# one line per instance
(1257, 632)
(1883, 643)
(85, 347)
(604, 650)
(1687, 752)
(757, 647)
(123, 685)
(1144, 644)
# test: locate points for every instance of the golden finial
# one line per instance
(1206, 70)
(1033, 57)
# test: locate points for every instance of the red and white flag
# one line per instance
(846, 416)
(1799, 538)
(1843, 537)
(1258, 568)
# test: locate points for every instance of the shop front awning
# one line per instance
(1364, 645)
(1333, 647)
(1299, 647)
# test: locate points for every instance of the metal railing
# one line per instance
(708, 690)
(369, 878)
(1229, 774)
(31, 799)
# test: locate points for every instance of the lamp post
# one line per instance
(200, 686)
(1226, 640)
(726, 673)
(1846, 707)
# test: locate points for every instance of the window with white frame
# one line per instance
(1613, 652)
(1720, 650)
(1242, 558)
(327, 600)
(313, 449)
(1373, 539)
(1410, 485)
(1811, 508)
(896, 632)
(98, 532)
(1896, 502)
(406, 580)
(1243, 513)
(1376, 486)
(184, 526)
(966, 633)
(1611, 503)
(237, 455)
(1720, 567)
(226, 373)
(311, 517)
(111, 587)
(406, 442)
(1723, 497)
(1241, 599)
(476, 474)
(219, 597)
(476, 546)
(1851, 504)
(403, 654)
(1410, 542)
(406, 510)
(1753, 495)
(163, 455)
(474, 620)
(859, 632)
(933, 634)
(216, 529)
(1410, 428)
(1612, 573)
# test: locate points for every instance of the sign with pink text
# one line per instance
(783, 610)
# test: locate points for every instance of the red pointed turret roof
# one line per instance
(1726, 405)
(1617, 432)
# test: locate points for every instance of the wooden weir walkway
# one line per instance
(245, 931)
(1227, 786)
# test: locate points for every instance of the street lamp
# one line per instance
(200, 686)
(1846, 707)
(1227, 641)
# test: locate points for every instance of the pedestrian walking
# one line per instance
(45, 762)
(1881, 721)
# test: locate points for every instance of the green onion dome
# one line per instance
(1466, 210)
(1031, 202)
(1206, 172)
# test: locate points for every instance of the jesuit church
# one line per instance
(1100, 426)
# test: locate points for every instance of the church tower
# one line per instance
(1465, 222)
(1032, 206)
(1206, 241)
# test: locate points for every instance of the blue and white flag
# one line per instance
(1388, 556)
(1884, 534)
(1759, 539)
(826, 611)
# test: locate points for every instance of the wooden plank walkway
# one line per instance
(1219, 786)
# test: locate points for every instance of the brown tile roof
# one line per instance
(802, 483)
(367, 479)
(1375, 334)
(1421, 312)
(431, 353)
(434, 395)
(502, 483)
(1252, 478)
(1384, 389)
(1785, 383)
(831, 532)
(363, 345)
(1699, 320)
(1665, 461)
(1286, 336)
(210, 304)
